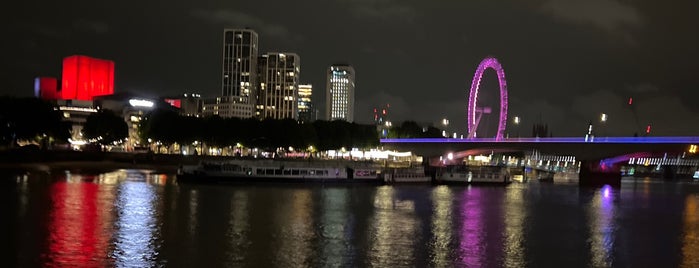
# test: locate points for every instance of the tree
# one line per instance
(30, 119)
(105, 127)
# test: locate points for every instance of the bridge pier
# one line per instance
(592, 175)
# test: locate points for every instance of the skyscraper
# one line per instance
(279, 83)
(239, 76)
(339, 100)
(305, 103)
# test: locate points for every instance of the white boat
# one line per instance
(271, 171)
(473, 174)
(407, 175)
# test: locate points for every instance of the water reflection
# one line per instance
(136, 227)
(296, 232)
(442, 199)
(690, 236)
(393, 230)
(79, 223)
(472, 246)
(602, 227)
(334, 227)
(514, 217)
(238, 228)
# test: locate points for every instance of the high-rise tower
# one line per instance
(339, 100)
(239, 76)
(279, 83)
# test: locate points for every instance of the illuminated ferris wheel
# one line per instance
(476, 110)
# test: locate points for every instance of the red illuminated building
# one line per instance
(85, 77)
(174, 102)
(46, 88)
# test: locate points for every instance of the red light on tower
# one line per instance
(648, 129)
(630, 101)
(86, 77)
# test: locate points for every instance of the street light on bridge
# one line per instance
(516, 120)
(603, 120)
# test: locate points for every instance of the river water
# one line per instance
(131, 219)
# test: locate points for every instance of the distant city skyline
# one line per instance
(567, 62)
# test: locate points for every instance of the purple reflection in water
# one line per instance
(471, 245)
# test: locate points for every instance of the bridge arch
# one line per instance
(492, 63)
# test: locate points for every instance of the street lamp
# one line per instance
(516, 121)
(445, 124)
(603, 120)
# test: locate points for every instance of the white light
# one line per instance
(140, 103)
(450, 156)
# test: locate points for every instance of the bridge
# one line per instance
(582, 149)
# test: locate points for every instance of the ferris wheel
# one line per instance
(476, 109)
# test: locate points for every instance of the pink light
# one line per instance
(473, 95)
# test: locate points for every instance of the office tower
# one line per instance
(305, 103)
(279, 82)
(239, 75)
(339, 100)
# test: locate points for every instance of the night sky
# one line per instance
(566, 61)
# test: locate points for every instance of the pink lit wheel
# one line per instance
(473, 96)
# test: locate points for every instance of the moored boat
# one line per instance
(407, 175)
(473, 174)
(275, 171)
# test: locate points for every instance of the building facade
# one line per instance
(339, 100)
(85, 77)
(278, 85)
(239, 72)
(305, 104)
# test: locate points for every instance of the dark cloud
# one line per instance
(610, 15)
(233, 18)
(96, 27)
(383, 10)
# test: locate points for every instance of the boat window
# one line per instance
(312, 172)
(260, 171)
(269, 172)
(287, 172)
(277, 172)
(303, 172)
(294, 172)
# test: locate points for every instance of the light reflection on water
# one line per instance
(125, 219)
(393, 229)
(441, 226)
(602, 226)
(690, 236)
(136, 242)
(472, 246)
(514, 216)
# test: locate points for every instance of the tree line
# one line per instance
(34, 119)
(169, 127)
(31, 119)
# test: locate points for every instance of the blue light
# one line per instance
(648, 140)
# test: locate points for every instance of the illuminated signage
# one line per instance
(141, 103)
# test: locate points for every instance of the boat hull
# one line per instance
(201, 178)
